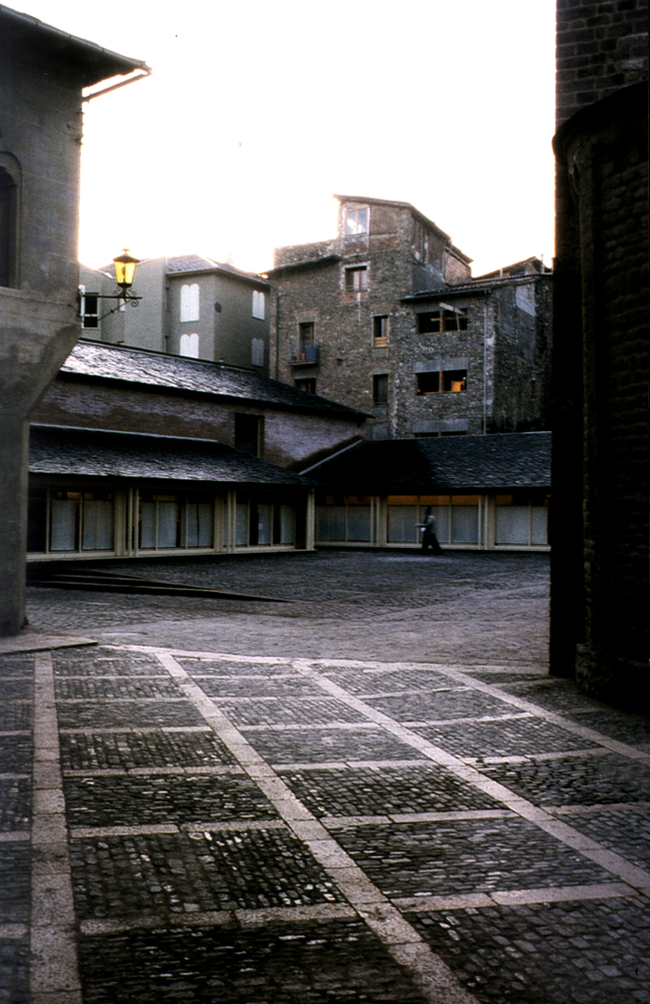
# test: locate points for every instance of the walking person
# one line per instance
(430, 533)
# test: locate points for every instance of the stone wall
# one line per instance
(599, 516)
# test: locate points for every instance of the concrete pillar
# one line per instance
(14, 446)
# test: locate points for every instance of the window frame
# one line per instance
(380, 330)
(10, 229)
(380, 390)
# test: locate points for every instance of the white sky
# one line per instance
(257, 112)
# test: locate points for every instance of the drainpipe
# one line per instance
(277, 333)
(485, 356)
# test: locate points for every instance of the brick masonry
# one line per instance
(599, 528)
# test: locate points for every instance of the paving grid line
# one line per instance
(195, 827)
(589, 810)
(638, 878)
(54, 971)
(217, 769)
(309, 727)
(494, 690)
(513, 897)
(13, 932)
(434, 979)
(215, 918)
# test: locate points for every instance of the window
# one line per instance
(308, 351)
(8, 227)
(190, 302)
(428, 383)
(420, 241)
(257, 351)
(454, 381)
(248, 430)
(356, 222)
(356, 279)
(305, 337)
(88, 308)
(380, 388)
(190, 346)
(81, 520)
(444, 319)
(259, 304)
(449, 381)
(171, 521)
(380, 331)
(308, 384)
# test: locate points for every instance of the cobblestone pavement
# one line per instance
(189, 816)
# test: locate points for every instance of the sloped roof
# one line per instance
(93, 453)
(93, 62)
(475, 286)
(448, 463)
(101, 361)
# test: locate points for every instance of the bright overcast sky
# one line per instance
(257, 112)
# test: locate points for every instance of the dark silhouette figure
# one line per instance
(429, 533)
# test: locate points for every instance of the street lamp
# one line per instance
(125, 271)
(125, 265)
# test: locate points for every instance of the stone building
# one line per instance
(386, 318)
(599, 526)
(191, 306)
(43, 72)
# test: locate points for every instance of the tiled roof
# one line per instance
(449, 463)
(101, 361)
(92, 453)
(189, 263)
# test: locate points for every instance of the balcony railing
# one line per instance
(306, 354)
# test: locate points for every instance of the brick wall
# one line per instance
(601, 46)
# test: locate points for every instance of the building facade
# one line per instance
(137, 453)
(43, 72)
(599, 565)
(485, 493)
(191, 306)
(386, 318)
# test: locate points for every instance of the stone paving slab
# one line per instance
(462, 856)
(15, 804)
(136, 750)
(299, 963)
(318, 745)
(510, 737)
(100, 801)
(165, 874)
(16, 753)
(14, 970)
(15, 874)
(91, 714)
(575, 780)
(385, 790)
(549, 953)
(93, 689)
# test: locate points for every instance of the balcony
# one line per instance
(306, 355)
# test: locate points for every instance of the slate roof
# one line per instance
(474, 286)
(448, 463)
(89, 452)
(101, 361)
(93, 61)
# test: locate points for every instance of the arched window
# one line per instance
(259, 304)
(190, 302)
(190, 346)
(9, 196)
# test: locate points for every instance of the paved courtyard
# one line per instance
(364, 787)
